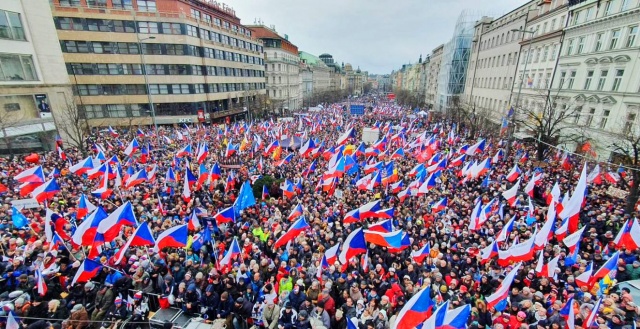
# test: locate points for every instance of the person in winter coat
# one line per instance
(57, 313)
(209, 302)
(322, 315)
(296, 297)
(118, 311)
(329, 303)
(225, 306)
(314, 290)
(104, 300)
(484, 316)
(339, 321)
(287, 318)
(302, 321)
(270, 315)
(79, 318)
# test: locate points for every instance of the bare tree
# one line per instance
(73, 124)
(476, 118)
(8, 120)
(551, 123)
(626, 146)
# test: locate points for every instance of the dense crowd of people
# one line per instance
(289, 286)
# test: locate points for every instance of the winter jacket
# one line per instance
(270, 316)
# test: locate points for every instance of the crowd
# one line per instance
(290, 286)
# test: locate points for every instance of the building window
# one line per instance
(625, 5)
(608, 8)
(631, 38)
(192, 31)
(124, 26)
(11, 26)
(122, 4)
(148, 27)
(207, 18)
(580, 45)
(171, 28)
(615, 35)
(97, 3)
(576, 117)
(572, 78)
(588, 15)
(592, 112)
(17, 68)
(547, 80)
(159, 89)
(563, 76)
(545, 53)
(598, 44)
(587, 82)
(630, 123)
(570, 47)
(604, 119)
(147, 5)
(195, 14)
(617, 80)
(180, 89)
(554, 52)
(602, 80)
(70, 3)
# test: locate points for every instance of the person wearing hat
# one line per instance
(117, 312)
(242, 309)
(633, 270)
(79, 318)
(287, 318)
(296, 297)
(104, 300)
(57, 313)
(320, 314)
(302, 320)
(270, 314)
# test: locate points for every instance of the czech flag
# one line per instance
(286, 160)
(384, 213)
(287, 189)
(142, 237)
(514, 173)
(32, 175)
(46, 191)
(132, 147)
(354, 245)
(307, 148)
(231, 150)
(521, 252)
(511, 195)
(428, 184)
(298, 227)
(174, 237)
(501, 294)
(112, 132)
(382, 226)
(227, 215)
(87, 271)
(203, 152)
(416, 310)
(310, 169)
(440, 205)
(610, 267)
(185, 151)
(98, 171)
(215, 172)
(123, 215)
(84, 207)
(296, 212)
(584, 279)
(265, 192)
(232, 253)
(384, 239)
(86, 232)
(272, 147)
(629, 235)
(331, 255)
(82, 166)
(369, 209)
(136, 178)
(344, 138)
(420, 254)
(193, 224)
(352, 216)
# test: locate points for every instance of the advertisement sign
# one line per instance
(25, 203)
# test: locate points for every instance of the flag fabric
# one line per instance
(296, 228)
(31, 175)
(233, 251)
(87, 271)
(384, 239)
(227, 215)
(416, 310)
(84, 207)
(142, 237)
(19, 220)
(41, 285)
(419, 255)
(609, 268)
(353, 245)
(501, 294)
(123, 215)
(174, 237)
(46, 191)
(511, 195)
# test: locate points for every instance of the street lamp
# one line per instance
(146, 81)
(524, 70)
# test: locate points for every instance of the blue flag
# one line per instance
(19, 220)
(245, 198)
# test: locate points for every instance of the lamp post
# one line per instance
(146, 82)
(512, 127)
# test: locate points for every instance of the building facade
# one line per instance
(494, 61)
(34, 85)
(315, 77)
(539, 58)
(182, 60)
(598, 69)
(282, 63)
(435, 61)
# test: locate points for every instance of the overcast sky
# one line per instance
(377, 35)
